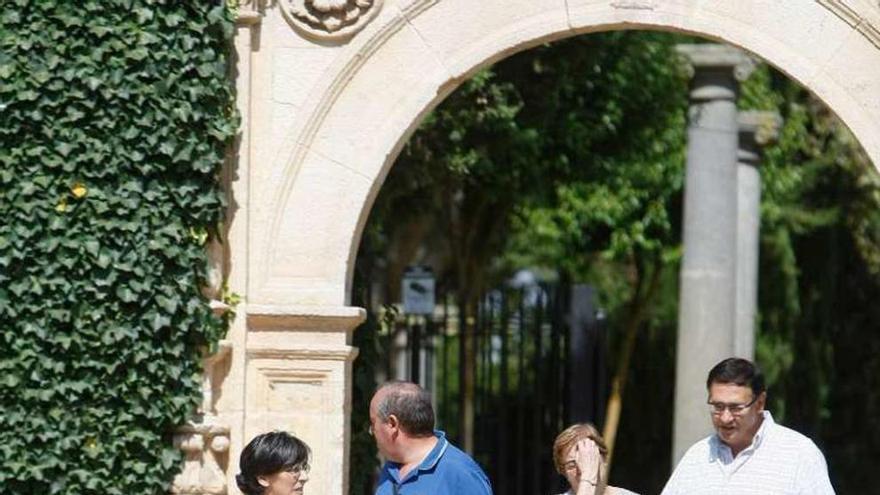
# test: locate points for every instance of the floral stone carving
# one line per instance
(329, 19)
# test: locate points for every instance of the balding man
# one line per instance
(419, 459)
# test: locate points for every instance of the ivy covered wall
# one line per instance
(114, 119)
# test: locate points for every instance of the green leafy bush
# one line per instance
(114, 119)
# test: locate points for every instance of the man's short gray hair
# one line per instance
(410, 404)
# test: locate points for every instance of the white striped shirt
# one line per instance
(780, 461)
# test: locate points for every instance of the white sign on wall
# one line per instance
(418, 290)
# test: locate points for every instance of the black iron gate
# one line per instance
(539, 353)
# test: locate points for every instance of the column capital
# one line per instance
(757, 129)
(310, 318)
(302, 332)
(762, 125)
(717, 58)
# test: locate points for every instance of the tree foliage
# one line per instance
(557, 150)
(114, 121)
(562, 157)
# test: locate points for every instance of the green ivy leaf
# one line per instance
(85, 333)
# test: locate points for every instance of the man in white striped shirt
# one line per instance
(749, 454)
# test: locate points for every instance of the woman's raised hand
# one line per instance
(588, 460)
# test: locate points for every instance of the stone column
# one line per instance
(756, 129)
(708, 274)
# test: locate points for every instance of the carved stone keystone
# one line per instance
(329, 19)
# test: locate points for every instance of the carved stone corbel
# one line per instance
(250, 12)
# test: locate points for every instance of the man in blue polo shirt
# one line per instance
(420, 461)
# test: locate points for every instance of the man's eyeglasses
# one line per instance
(718, 408)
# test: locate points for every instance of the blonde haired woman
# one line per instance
(579, 455)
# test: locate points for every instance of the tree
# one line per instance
(560, 127)
(614, 223)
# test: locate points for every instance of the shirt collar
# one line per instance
(429, 462)
(718, 448)
(436, 453)
(766, 425)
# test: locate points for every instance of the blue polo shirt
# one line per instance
(445, 471)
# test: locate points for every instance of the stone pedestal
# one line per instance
(298, 379)
(708, 273)
(756, 130)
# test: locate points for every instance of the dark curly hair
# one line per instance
(268, 454)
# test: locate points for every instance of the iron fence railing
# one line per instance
(529, 380)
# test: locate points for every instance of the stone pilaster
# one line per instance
(298, 379)
(756, 130)
(708, 273)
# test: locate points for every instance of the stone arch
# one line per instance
(323, 121)
(369, 101)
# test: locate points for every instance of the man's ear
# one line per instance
(262, 481)
(393, 422)
(762, 401)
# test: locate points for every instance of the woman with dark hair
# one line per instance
(275, 463)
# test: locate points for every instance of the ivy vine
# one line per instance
(115, 116)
